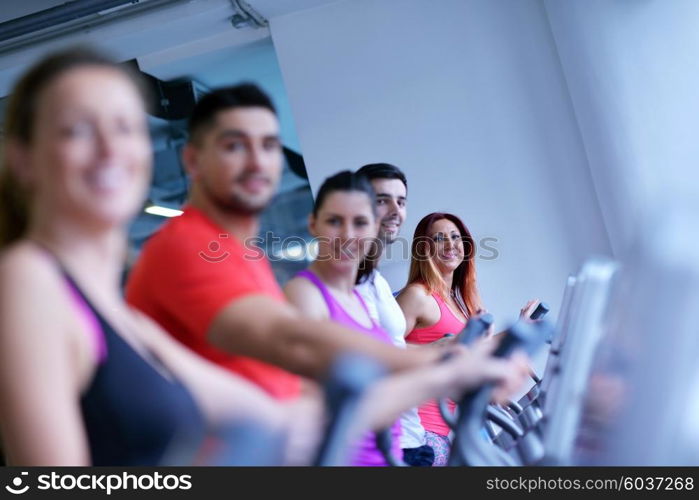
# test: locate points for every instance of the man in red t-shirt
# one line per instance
(200, 280)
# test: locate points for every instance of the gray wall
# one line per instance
(469, 98)
(632, 68)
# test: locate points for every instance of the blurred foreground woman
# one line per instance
(84, 379)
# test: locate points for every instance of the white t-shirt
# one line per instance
(384, 309)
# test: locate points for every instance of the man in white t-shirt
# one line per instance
(391, 189)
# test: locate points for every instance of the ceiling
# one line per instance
(165, 40)
(268, 8)
(13, 10)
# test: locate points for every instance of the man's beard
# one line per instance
(235, 205)
(388, 238)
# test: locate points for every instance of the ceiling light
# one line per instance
(162, 211)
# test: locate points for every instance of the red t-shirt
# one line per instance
(188, 273)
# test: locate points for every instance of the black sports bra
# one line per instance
(133, 414)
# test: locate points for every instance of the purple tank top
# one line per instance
(366, 452)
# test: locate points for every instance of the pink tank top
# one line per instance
(448, 323)
(366, 453)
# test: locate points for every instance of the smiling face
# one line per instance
(449, 245)
(238, 161)
(345, 226)
(391, 199)
(89, 157)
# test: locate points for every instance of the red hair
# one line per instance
(423, 269)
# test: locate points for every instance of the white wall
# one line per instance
(467, 97)
(633, 73)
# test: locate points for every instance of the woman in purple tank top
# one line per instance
(344, 224)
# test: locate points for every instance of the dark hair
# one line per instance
(350, 181)
(244, 95)
(383, 171)
(377, 171)
(344, 181)
(20, 117)
(423, 269)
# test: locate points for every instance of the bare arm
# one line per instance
(263, 328)
(306, 298)
(221, 395)
(465, 370)
(528, 309)
(40, 415)
(413, 301)
(524, 314)
(224, 397)
(419, 308)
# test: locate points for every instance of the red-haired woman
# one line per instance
(440, 296)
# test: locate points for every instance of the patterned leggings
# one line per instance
(440, 444)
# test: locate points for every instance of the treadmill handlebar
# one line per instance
(472, 408)
(475, 327)
(348, 380)
(541, 310)
(526, 336)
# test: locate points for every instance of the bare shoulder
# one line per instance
(413, 293)
(306, 297)
(300, 284)
(32, 298)
(24, 268)
(45, 362)
(418, 306)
